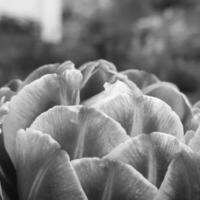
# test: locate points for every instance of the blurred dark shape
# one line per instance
(158, 36)
(21, 49)
(12, 26)
(166, 4)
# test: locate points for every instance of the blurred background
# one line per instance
(159, 36)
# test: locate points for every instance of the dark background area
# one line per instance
(159, 36)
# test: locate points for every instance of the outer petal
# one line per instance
(105, 179)
(141, 78)
(149, 154)
(8, 179)
(39, 72)
(81, 131)
(32, 100)
(43, 170)
(182, 180)
(173, 97)
(47, 69)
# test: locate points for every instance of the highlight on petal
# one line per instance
(173, 97)
(105, 179)
(95, 74)
(141, 78)
(182, 180)
(43, 169)
(24, 107)
(70, 81)
(81, 131)
(149, 154)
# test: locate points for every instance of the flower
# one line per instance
(96, 133)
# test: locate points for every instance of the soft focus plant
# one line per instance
(95, 133)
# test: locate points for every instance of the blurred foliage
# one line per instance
(160, 36)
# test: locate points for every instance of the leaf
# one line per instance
(182, 180)
(149, 154)
(81, 131)
(111, 180)
(141, 78)
(43, 169)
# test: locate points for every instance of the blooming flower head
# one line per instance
(95, 133)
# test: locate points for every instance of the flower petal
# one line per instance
(117, 101)
(70, 80)
(95, 74)
(39, 72)
(43, 169)
(81, 131)
(106, 179)
(137, 113)
(149, 154)
(6, 94)
(157, 116)
(141, 78)
(8, 179)
(173, 97)
(194, 142)
(14, 85)
(182, 180)
(24, 107)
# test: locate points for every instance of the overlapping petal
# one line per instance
(149, 154)
(47, 69)
(141, 78)
(95, 74)
(173, 97)
(24, 107)
(44, 170)
(106, 179)
(147, 165)
(81, 131)
(137, 113)
(182, 180)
